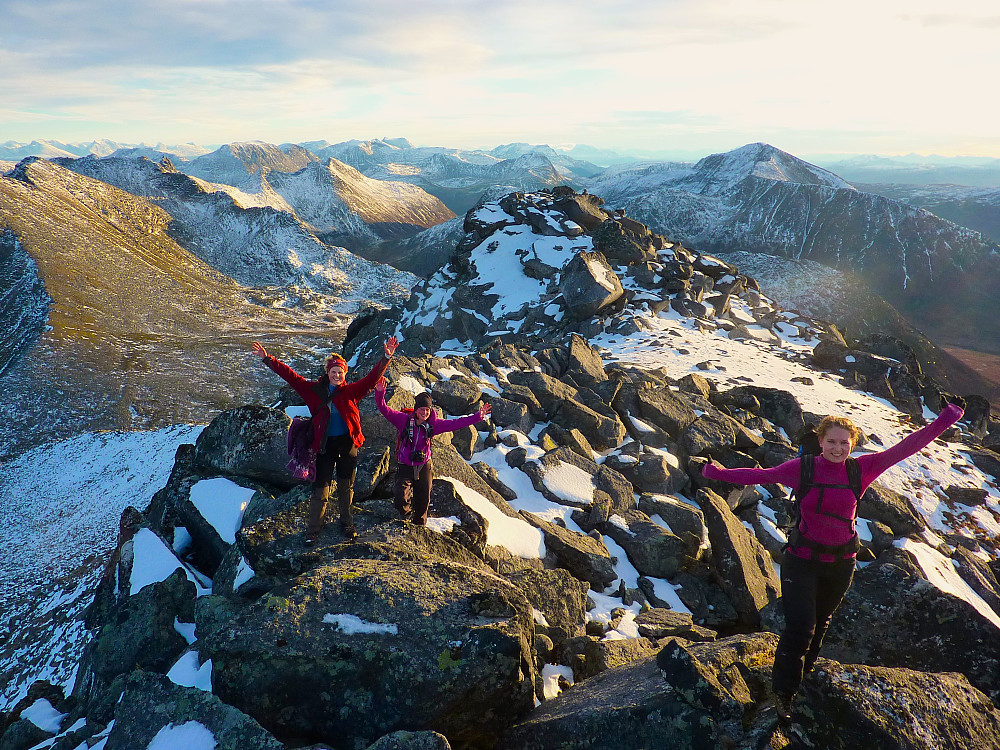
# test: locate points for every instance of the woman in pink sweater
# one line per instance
(414, 475)
(818, 565)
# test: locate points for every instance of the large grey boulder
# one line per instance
(848, 706)
(892, 616)
(588, 285)
(684, 519)
(881, 504)
(664, 409)
(140, 633)
(688, 697)
(457, 396)
(153, 708)
(652, 549)
(403, 740)
(585, 365)
(357, 648)
(549, 392)
(602, 430)
(582, 555)
(250, 441)
(742, 565)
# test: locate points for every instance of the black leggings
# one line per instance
(811, 591)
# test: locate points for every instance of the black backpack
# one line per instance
(809, 449)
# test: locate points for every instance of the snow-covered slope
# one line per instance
(59, 511)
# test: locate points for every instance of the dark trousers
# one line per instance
(811, 591)
(340, 456)
(412, 491)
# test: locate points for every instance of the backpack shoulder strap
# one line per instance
(854, 478)
(806, 469)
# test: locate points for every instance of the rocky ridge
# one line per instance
(581, 546)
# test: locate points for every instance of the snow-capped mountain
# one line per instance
(237, 164)
(459, 177)
(329, 195)
(579, 578)
(760, 199)
(115, 325)
(256, 237)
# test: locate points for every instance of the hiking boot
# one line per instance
(310, 538)
(783, 706)
(350, 532)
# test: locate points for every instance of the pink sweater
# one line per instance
(440, 425)
(819, 527)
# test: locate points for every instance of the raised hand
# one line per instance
(259, 350)
(380, 386)
(484, 410)
(390, 346)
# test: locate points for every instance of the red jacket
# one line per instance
(316, 393)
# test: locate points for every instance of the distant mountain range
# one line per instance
(395, 203)
(760, 199)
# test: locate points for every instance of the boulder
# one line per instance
(582, 555)
(687, 697)
(588, 285)
(659, 622)
(547, 391)
(457, 396)
(621, 243)
(918, 625)
(357, 648)
(511, 415)
(521, 394)
(848, 706)
(653, 550)
(665, 409)
(140, 633)
(743, 566)
(879, 503)
(585, 364)
(558, 596)
(403, 740)
(588, 655)
(156, 712)
(979, 576)
(249, 441)
(683, 518)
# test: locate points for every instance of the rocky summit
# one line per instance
(579, 584)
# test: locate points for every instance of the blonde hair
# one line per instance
(341, 362)
(843, 423)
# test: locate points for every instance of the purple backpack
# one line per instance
(302, 457)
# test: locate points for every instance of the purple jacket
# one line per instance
(400, 420)
(818, 526)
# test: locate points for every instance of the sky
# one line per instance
(697, 76)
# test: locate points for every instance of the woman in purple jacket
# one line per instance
(414, 475)
(818, 565)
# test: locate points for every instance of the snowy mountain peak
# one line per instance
(721, 172)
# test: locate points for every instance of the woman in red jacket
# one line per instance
(337, 432)
(818, 565)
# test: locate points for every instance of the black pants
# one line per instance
(412, 491)
(811, 591)
(341, 456)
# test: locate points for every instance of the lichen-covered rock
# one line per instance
(404, 740)
(848, 706)
(155, 711)
(249, 441)
(652, 549)
(357, 648)
(918, 626)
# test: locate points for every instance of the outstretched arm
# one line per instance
(457, 423)
(874, 464)
(786, 474)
